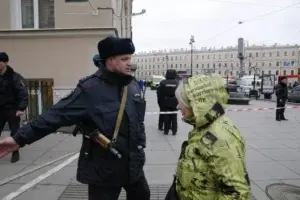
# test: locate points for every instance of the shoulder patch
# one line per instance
(208, 139)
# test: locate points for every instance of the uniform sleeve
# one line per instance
(68, 111)
(227, 167)
(160, 92)
(22, 92)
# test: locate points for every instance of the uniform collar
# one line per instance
(113, 77)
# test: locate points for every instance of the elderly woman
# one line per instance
(212, 161)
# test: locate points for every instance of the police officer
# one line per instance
(95, 103)
(167, 100)
(282, 95)
(13, 99)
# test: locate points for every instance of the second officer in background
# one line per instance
(167, 100)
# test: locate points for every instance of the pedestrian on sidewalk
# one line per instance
(95, 103)
(212, 160)
(13, 99)
(282, 95)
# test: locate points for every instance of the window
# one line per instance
(256, 54)
(37, 14)
(284, 72)
(292, 72)
(285, 53)
(293, 53)
(293, 63)
(46, 14)
(277, 72)
(27, 13)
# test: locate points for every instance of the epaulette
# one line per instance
(89, 81)
(84, 79)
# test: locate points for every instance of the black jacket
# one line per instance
(13, 91)
(166, 92)
(95, 103)
(282, 92)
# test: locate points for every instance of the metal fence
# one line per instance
(40, 97)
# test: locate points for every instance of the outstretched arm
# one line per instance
(68, 111)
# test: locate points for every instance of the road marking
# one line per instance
(40, 178)
(9, 179)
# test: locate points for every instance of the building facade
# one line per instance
(276, 59)
(52, 42)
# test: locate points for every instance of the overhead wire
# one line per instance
(253, 19)
(246, 3)
(275, 11)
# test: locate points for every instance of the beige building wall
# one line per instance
(5, 19)
(111, 14)
(62, 55)
(83, 14)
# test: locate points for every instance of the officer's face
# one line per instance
(186, 112)
(2, 66)
(121, 64)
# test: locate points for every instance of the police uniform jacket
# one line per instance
(13, 91)
(282, 92)
(166, 92)
(95, 103)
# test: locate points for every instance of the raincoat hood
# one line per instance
(207, 97)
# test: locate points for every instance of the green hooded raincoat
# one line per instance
(212, 161)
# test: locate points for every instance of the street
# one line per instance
(273, 153)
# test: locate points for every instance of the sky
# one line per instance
(169, 24)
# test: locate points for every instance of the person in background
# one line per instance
(282, 95)
(167, 101)
(13, 99)
(141, 84)
(212, 160)
(295, 84)
(290, 86)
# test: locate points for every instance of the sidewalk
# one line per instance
(273, 154)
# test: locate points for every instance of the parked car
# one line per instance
(237, 95)
(294, 95)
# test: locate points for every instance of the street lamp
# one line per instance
(227, 73)
(167, 59)
(192, 41)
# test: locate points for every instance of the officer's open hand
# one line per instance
(7, 145)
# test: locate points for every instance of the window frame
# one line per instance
(16, 15)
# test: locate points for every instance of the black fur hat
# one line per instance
(113, 46)
(3, 57)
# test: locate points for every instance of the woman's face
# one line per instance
(186, 112)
